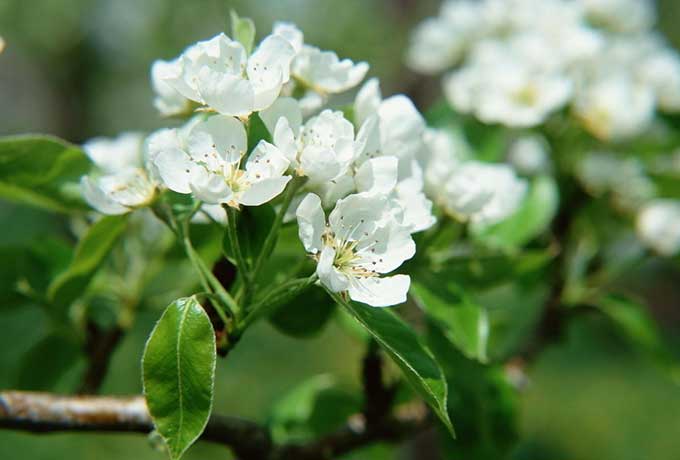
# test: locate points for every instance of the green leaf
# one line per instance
(257, 131)
(243, 31)
(312, 409)
(404, 347)
(305, 315)
(482, 402)
(465, 322)
(42, 171)
(529, 221)
(178, 374)
(91, 251)
(44, 365)
(252, 227)
(634, 320)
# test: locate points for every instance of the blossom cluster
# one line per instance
(363, 169)
(516, 62)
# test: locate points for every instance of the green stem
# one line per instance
(210, 283)
(232, 234)
(277, 297)
(270, 241)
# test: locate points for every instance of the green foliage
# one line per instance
(313, 408)
(305, 315)
(39, 374)
(466, 323)
(405, 348)
(179, 372)
(91, 251)
(252, 227)
(41, 171)
(242, 30)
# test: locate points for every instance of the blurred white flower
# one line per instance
(168, 101)
(483, 193)
(206, 163)
(360, 242)
(621, 15)
(122, 183)
(624, 178)
(529, 154)
(219, 74)
(615, 108)
(658, 226)
(320, 71)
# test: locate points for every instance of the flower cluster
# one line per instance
(364, 166)
(516, 62)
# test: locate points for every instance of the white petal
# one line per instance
(386, 248)
(115, 154)
(311, 222)
(284, 139)
(377, 175)
(220, 134)
(98, 199)
(130, 188)
(319, 164)
(174, 167)
(266, 161)
(367, 101)
(328, 274)
(228, 94)
(355, 216)
(268, 69)
(380, 292)
(283, 107)
(291, 33)
(168, 100)
(263, 191)
(323, 71)
(208, 187)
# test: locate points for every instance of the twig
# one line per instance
(378, 397)
(49, 413)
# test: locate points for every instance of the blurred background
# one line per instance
(79, 68)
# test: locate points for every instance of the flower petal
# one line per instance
(98, 199)
(263, 191)
(380, 292)
(311, 222)
(328, 274)
(219, 134)
(283, 107)
(377, 175)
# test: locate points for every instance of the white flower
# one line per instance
(321, 71)
(123, 183)
(205, 161)
(2, 44)
(529, 154)
(507, 92)
(360, 242)
(625, 178)
(168, 100)
(218, 73)
(658, 226)
(615, 108)
(483, 193)
(661, 71)
(320, 150)
(443, 152)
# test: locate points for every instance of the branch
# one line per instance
(49, 413)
